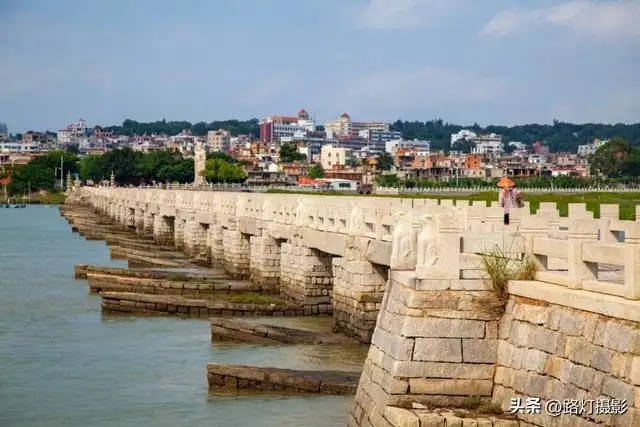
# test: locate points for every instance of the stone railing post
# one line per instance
(534, 227)
(632, 262)
(609, 214)
(581, 232)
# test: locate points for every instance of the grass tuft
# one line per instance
(471, 402)
(500, 265)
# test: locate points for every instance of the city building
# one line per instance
(417, 145)
(219, 140)
(19, 147)
(374, 135)
(34, 137)
(539, 148)
(344, 126)
(73, 133)
(331, 155)
(591, 148)
(464, 134)
(487, 144)
(273, 128)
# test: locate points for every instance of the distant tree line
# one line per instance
(134, 167)
(42, 173)
(560, 136)
(235, 127)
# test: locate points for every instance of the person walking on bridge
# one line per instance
(509, 197)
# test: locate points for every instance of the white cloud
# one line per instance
(400, 14)
(610, 19)
(427, 85)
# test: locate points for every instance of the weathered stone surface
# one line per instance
(225, 329)
(325, 382)
(452, 387)
(438, 350)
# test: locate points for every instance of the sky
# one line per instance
(463, 61)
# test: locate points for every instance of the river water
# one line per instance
(62, 363)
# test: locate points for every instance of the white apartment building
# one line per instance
(537, 159)
(19, 147)
(590, 149)
(65, 137)
(418, 145)
(463, 134)
(219, 140)
(487, 144)
(331, 155)
(484, 144)
(345, 126)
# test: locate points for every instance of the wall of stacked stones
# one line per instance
(554, 352)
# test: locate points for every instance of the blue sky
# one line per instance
(463, 61)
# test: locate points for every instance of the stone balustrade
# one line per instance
(406, 275)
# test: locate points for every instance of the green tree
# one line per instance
(221, 155)
(73, 149)
(385, 161)
(92, 168)
(289, 153)
(614, 159)
(316, 171)
(218, 170)
(42, 173)
(388, 180)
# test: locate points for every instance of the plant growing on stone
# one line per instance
(500, 266)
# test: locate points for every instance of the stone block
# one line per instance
(535, 360)
(437, 350)
(571, 324)
(530, 313)
(616, 389)
(430, 419)
(559, 368)
(398, 347)
(413, 369)
(443, 328)
(399, 417)
(520, 332)
(582, 376)
(635, 371)
(620, 365)
(450, 387)
(602, 359)
(536, 385)
(544, 339)
(578, 350)
(479, 350)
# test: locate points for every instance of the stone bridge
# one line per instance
(406, 276)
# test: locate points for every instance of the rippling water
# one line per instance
(64, 364)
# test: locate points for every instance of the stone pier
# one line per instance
(264, 263)
(306, 277)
